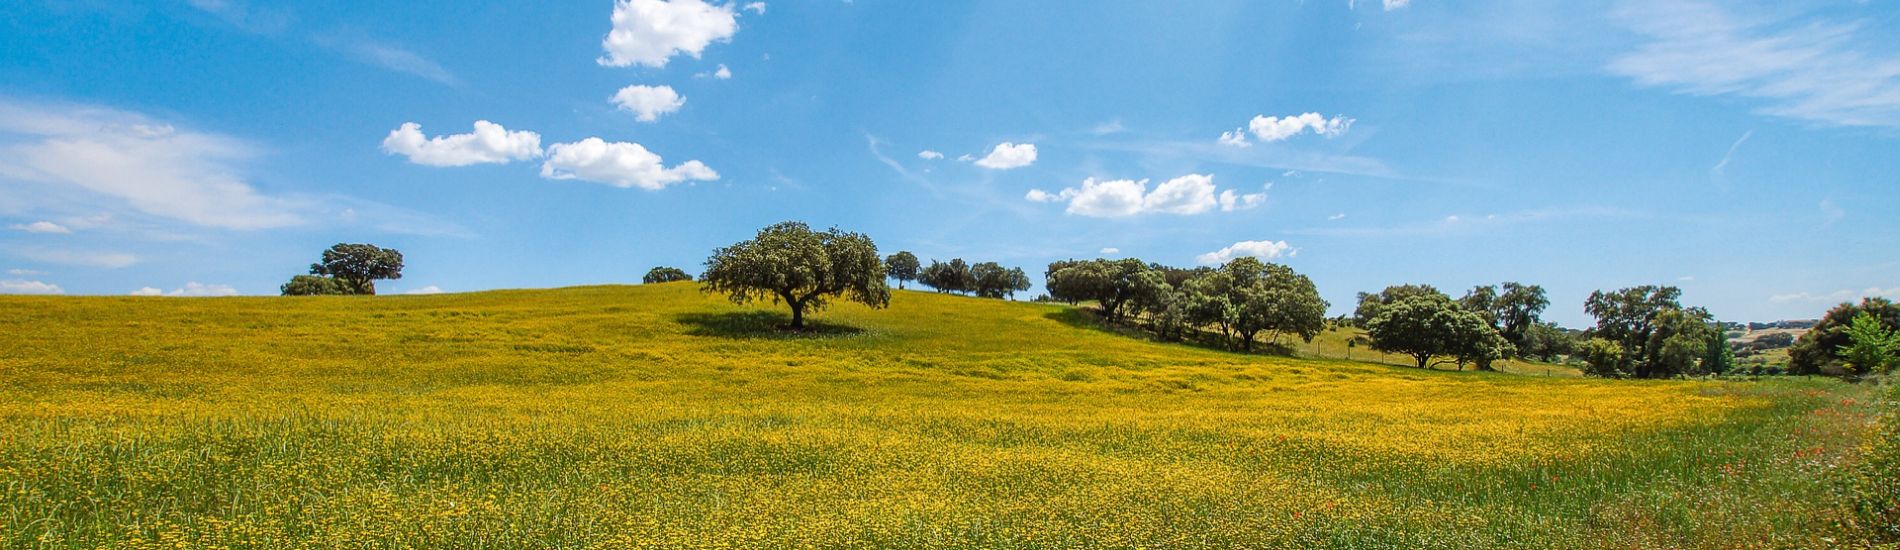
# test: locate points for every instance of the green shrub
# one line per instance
(1876, 483)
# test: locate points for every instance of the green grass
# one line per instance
(657, 416)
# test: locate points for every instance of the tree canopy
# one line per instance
(1429, 326)
(1871, 346)
(789, 263)
(948, 277)
(1819, 347)
(1656, 336)
(995, 281)
(663, 274)
(1112, 284)
(902, 266)
(347, 269)
(1370, 303)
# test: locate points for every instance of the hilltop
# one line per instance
(612, 415)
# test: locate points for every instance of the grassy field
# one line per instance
(655, 416)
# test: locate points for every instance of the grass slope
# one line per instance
(657, 416)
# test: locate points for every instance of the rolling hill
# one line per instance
(619, 416)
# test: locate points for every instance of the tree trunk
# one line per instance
(1422, 360)
(798, 315)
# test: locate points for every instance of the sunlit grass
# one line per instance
(656, 416)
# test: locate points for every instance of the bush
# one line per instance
(665, 274)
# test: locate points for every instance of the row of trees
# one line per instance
(1484, 326)
(986, 279)
(1241, 299)
(1645, 332)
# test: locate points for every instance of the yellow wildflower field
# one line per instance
(655, 416)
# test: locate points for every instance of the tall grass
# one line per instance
(655, 416)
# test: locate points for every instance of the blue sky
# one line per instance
(1743, 151)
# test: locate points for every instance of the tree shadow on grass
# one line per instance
(747, 325)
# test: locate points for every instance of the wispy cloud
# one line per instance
(388, 56)
(1842, 295)
(1456, 223)
(1825, 72)
(1719, 172)
(106, 260)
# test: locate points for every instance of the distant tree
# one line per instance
(1370, 303)
(1658, 337)
(358, 266)
(1112, 284)
(995, 281)
(1871, 346)
(1547, 341)
(902, 266)
(1272, 298)
(953, 276)
(789, 263)
(1512, 312)
(1819, 347)
(1476, 342)
(313, 285)
(1721, 358)
(1422, 326)
(665, 274)
(1483, 301)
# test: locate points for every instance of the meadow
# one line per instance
(656, 416)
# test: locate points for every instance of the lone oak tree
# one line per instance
(665, 274)
(789, 263)
(356, 267)
(902, 266)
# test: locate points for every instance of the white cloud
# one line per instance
(490, 143)
(1265, 250)
(929, 155)
(1231, 201)
(153, 167)
(755, 7)
(1820, 71)
(41, 227)
(1186, 195)
(431, 289)
(647, 103)
(107, 260)
(723, 73)
(17, 286)
(1106, 199)
(1110, 251)
(649, 32)
(388, 56)
(24, 272)
(1235, 138)
(1336, 217)
(146, 291)
(620, 164)
(1110, 127)
(1396, 4)
(1008, 155)
(1268, 128)
(190, 290)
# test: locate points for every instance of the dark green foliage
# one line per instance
(665, 274)
(953, 276)
(1546, 341)
(1112, 284)
(902, 266)
(1429, 325)
(1658, 338)
(995, 281)
(789, 263)
(313, 285)
(1370, 304)
(358, 266)
(1818, 348)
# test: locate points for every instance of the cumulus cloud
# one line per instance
(1186, 195)
(929, 155)
(650, 32)
(1265, 250)
(41, 227)
(18, 286)
(755, 7)
(647, 103)
(1109, 251)
(1396, 4)
(431, 289)
(722, 72)
(620, 164)
(151, 166)
(1273, 128)
(1189, 194)
(190, 290)
(490, 143)
(1008, 155)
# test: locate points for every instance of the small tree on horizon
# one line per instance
(664, 274)
(902, 266)
(789, 263)
(347, 269)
